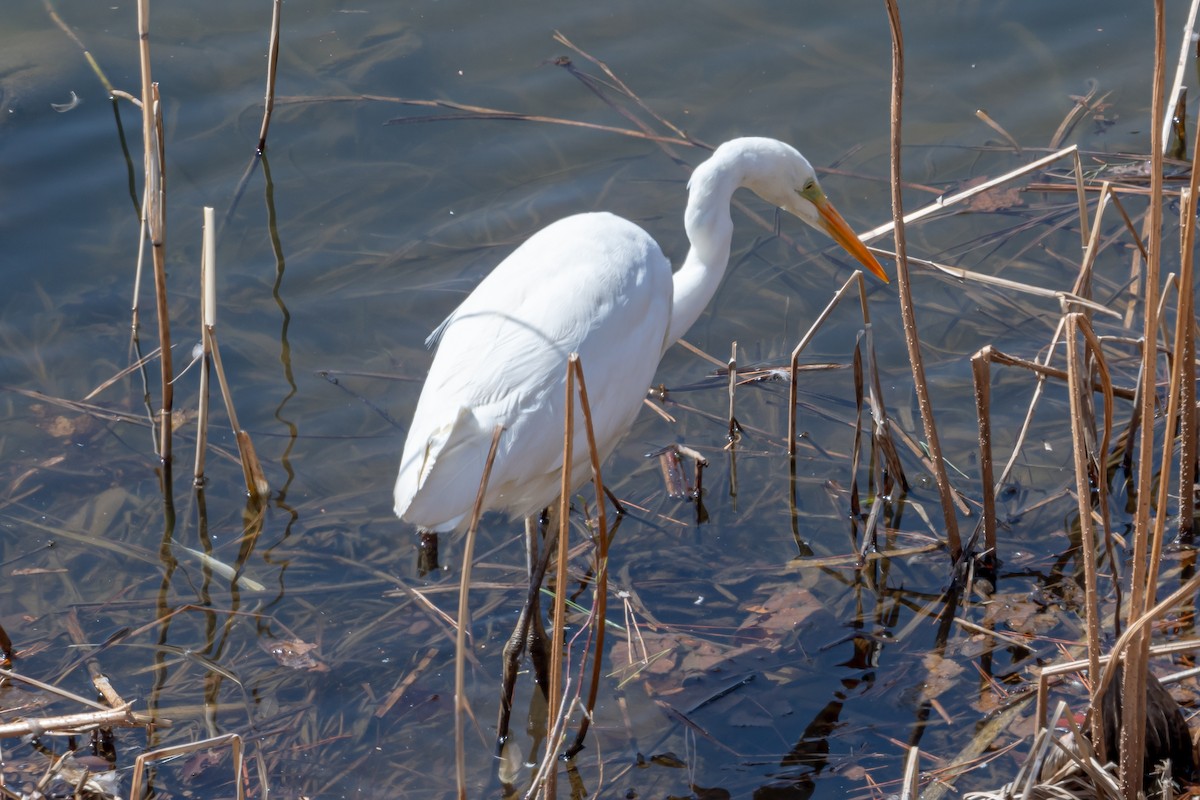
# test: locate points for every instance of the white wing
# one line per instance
(594, 284)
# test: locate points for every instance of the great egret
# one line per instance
(593, 284)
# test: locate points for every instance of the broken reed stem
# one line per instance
(464, 622)
(600, 582)
(904, 287)
(272, 62)
(256, 482)
(981, 375)
(1145, 541)
(154, 214)
(208, 313)
(794, 367)
(1079, 397)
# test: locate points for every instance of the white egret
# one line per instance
(597, 285)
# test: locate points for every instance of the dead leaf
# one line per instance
(294, 654)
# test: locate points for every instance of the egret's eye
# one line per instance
(809, 185)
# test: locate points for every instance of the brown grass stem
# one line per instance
(256, 482)
(856, 278)
(154, 214)
(554, 694)
(986, 118)
(272, 64)
(1089, 471)
(600, 582)
(620, 84)
(135, 323)
(463, 623)
(1185, 347)
(1145, 541)
(981, 375)
(87, 54)
(904, 289)
(1081, 199)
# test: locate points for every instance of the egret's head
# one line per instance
(777, 173)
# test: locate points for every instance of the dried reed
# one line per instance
(463, 624)
(154, 216)
(272, 64)
(1144, 575)
(904, 290)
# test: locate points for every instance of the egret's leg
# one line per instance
(529, 632)
(427, 553)
(537, 642)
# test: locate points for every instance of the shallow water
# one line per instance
(355, 238)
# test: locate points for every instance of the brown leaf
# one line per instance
(294, 654)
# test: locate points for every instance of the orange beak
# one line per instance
(837, 228)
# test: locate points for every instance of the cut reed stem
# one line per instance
(208, 314)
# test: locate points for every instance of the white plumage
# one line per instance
(594, 284)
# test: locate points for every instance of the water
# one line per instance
(367, 234)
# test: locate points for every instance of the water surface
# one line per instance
(354, 238)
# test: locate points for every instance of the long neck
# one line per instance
(710, 231)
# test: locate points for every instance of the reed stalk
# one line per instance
(1147, 542)
(599, 616)
(554, 695)
(272, 63)
(208, 314)
(154, 213)
(461, 708)
(1087, 464)
(904, 289)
